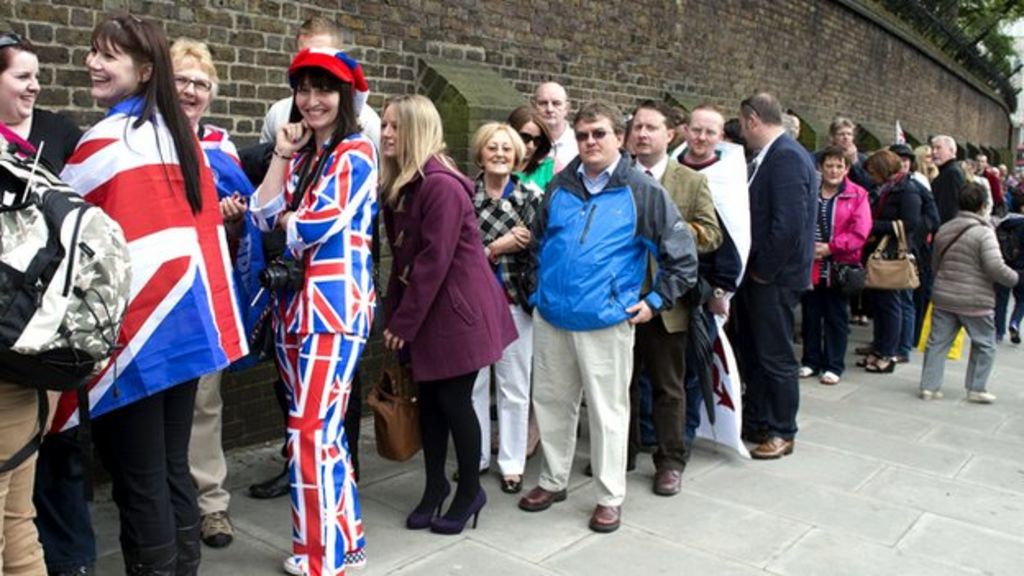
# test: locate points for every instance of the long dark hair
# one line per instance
(145, 43)
(345, 124)
(520, 117)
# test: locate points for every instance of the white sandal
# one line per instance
(829, 379)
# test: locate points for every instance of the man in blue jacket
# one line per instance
(783, 187)
(600, 219)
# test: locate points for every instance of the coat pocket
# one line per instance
(459, 304)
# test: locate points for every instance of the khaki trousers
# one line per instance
(20, 551)
(205, 451)
(567, 365)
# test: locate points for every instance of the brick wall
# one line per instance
(821, 57)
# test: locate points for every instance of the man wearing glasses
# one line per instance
(597, 225)
(552, 103)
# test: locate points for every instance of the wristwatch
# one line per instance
(718, 293)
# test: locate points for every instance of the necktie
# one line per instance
(751, 169)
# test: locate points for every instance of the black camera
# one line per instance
(283, 273)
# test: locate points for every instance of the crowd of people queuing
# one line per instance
(581, 263)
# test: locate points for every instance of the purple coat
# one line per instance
(443, 300)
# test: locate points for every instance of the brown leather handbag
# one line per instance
(892, 271)
(396, 414)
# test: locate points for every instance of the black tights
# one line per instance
(447, 405)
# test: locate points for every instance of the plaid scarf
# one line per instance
(516, 207)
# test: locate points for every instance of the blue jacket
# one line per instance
(591, 250)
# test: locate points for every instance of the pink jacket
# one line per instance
(851, 224)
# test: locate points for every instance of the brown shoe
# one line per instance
(754, 436)
(668, 482)
(772, 449)
(605, 519)
(540, 499)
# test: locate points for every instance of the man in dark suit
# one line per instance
(946, 186)
(783, 206)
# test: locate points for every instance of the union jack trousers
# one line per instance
(327, 523)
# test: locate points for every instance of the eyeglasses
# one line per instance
(10, 39)
(200, 85)
(529, 138)
(598, 134)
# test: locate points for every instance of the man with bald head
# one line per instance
(552, 103)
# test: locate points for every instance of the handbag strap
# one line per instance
(950, 245)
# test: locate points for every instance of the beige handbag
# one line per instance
(892, 272)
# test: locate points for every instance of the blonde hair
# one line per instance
(923, 157)
(488, 131)
(184, 49)
(420, 138)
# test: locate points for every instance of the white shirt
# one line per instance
(281, 110)
(760, 156)
(564, 149)
(658, 170)
(596, 185)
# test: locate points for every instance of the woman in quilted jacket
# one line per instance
(967, 261)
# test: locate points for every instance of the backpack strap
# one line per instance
(33, 445)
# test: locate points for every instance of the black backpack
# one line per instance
(1008, 233)
(64, 285)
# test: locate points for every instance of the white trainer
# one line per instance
(930, 395)
(981, 397)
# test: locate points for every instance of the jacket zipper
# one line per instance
(586, 227)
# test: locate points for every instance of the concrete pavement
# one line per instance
(880, 483)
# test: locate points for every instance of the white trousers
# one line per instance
(566, 365)
(512, 388)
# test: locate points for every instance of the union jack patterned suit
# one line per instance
(320, 333)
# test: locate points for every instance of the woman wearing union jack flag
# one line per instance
(141, 164)
(321, 191)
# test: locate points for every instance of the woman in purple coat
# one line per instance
(444, 310)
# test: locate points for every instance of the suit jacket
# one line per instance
(689, 191)
(783, 209)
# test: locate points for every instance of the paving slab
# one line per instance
(825, 553)
(889, 422)
(991, 444)
(999, 510)
(899, 451)
(630, 551)
(470, 558)
(807, 502)
(712, 525)
(995, 472)
(965, 545)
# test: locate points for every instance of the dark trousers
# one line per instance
(446, 407)
(1002, 304)
(825, 326)
(353, 417)
(765, 319)
(663, 356)
(62, 513)
(889, 325)
(144, 447)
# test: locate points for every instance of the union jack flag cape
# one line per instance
(182, 320)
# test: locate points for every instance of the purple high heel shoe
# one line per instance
(442, 525)
(421, 520)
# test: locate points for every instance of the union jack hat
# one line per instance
(338, 64)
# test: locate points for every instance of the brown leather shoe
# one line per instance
(773, 448)
(668, 482)
(605, 519)
(540, 499)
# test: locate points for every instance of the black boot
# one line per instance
(189, 551)
(277, 486)
(155, 561)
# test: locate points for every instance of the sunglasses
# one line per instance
(598, 134)
(10, 39)
(529, 138)
(182, 82)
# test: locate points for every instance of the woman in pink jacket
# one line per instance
(843, 224)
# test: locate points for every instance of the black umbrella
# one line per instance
(700, 352)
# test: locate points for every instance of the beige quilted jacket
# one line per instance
(964, 276)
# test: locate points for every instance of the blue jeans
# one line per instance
(1002, 303)
(825, 326)
(907, 316)
(888, 322)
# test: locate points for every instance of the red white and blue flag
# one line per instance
(182, 319)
